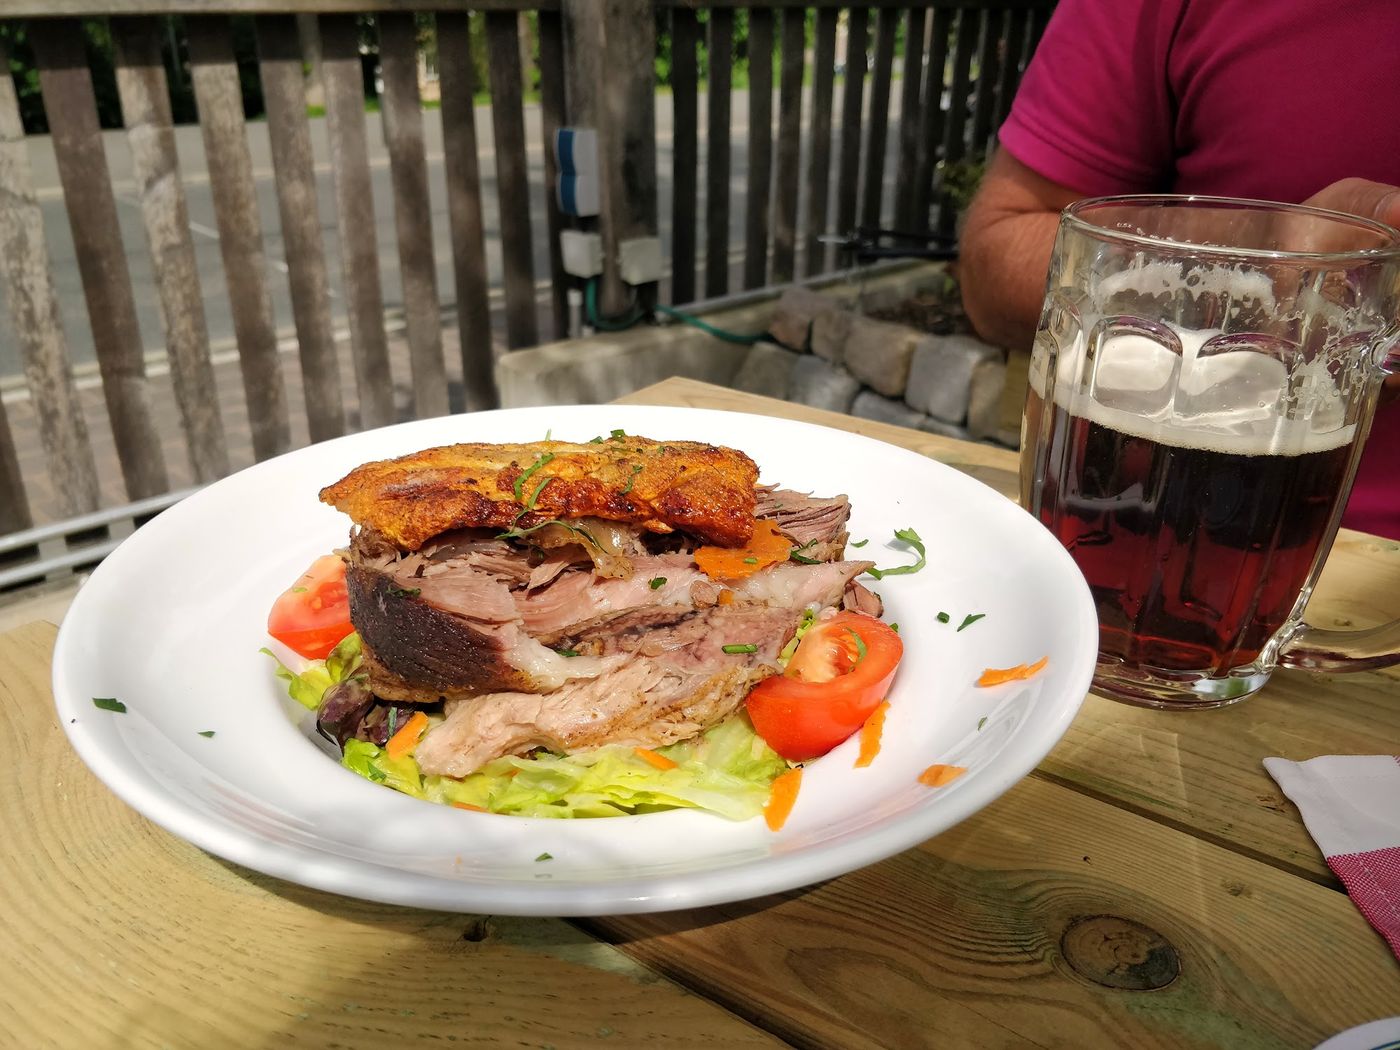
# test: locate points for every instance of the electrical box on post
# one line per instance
(639, 260)
(583, 253)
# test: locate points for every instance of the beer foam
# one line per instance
(1162, 277)
(1226, 401)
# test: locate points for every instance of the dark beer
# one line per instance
(1195, 555)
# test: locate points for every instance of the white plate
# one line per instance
(172, 621)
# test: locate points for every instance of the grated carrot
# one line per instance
(406, 739)
(767, 546)
(781, 796)
(654, 758)
(936, 776)
(870, 734)
(995, 676)
(468, 805)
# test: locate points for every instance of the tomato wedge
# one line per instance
(313, 615)
(839, 674)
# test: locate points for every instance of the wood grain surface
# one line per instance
(133, 938)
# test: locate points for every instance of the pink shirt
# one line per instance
(1242, 98)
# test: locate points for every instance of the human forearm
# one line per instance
(1003, 271)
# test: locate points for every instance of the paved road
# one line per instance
(204, 225)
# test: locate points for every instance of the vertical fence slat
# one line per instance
(1010, 77)
(873, 188)
(343, 80)
(907, 216)
(145, 102)
(552, 116)
(38, 330)
(819, 165)
(408, 173)
(219, 97)
(789, 145)
(279, 62)
(71, 107)
(465, 224)
(760, 47)
(852, 101)
(932, 109)
(512, 177)
(955, 125)
(988, 69)
(1040, 18)
(721, 69)
(685, 153)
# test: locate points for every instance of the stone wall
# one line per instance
(828, 354)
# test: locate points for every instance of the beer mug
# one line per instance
(1202, 382)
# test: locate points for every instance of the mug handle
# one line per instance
(1322, 649)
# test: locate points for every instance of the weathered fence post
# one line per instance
(610, 49)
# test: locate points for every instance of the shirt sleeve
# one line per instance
(1094, 110)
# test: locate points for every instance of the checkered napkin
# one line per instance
(1351, 807)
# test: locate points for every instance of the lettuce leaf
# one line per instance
(308, 686)
(726, 771)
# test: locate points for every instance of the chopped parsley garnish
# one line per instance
(544, 458)
(405, 592)
(298, 590)
(747, 647)
(750, 561)
(206, 733)
(862, 543)
(617, 435)
(970, 619)
(796, 553)
(596, 441)
(910, 537)
(633, 479)
(894, 627)
(981, 722)
(942, 617)
(548, 432)
(657, 582)
(393, 720)
(109, 703)
(567, 652)
(375, 773)
(544, 856)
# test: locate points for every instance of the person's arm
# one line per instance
(1004, 250)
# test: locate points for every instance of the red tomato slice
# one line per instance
(313, 615)
(839, 674)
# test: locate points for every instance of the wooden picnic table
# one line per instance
(1147, 886)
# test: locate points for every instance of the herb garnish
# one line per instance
(207, 733)
(981, 722)
(942, 617)
(109, 703)
(970, 619)
(860, 645)
(862, 543)
(633, 479)
(796, 554)
(750, 561)
(658, 582)
(393, 720)
(543, 856)
(405, 592)
(567, 652)
(596, 440)
(617, 435)
(747, 647)
(298, 590)
(910, 537)
(375, 773)
(544, 458)
(894, 627)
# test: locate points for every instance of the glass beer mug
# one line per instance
(1202, 382)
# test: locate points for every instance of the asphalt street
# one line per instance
(203, 224)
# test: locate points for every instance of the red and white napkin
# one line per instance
(1351, 807)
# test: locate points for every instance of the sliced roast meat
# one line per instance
(861, 599)
(817, 524)
(640, 699)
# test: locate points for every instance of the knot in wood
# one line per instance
(1119, 953)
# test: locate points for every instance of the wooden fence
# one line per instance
(955, 73)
